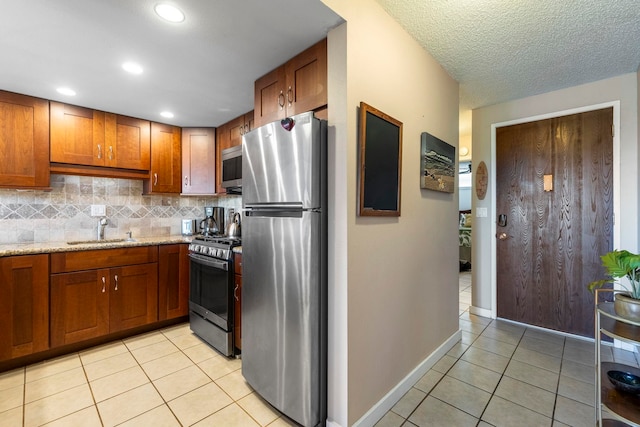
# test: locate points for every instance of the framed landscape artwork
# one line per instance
(437, 164)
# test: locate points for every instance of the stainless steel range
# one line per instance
(211, 290)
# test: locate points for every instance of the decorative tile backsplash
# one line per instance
(64, 214)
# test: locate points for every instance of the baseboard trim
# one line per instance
(483, 312)
(390, 399)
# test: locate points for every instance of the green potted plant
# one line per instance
(621, 264)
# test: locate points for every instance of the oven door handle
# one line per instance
(210, 262)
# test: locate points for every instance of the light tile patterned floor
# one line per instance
(504, 374)
(164, 378)
(500, 374)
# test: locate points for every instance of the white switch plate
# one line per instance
(98, 210)
(481, 212)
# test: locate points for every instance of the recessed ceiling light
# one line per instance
(169, 12)
(66, 91)
(132, 67)
(167, 114)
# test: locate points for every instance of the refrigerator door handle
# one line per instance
(273, 206)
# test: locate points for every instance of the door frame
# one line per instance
(492, 180)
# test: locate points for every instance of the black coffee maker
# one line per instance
(213, 223)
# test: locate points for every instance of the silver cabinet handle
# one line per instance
(186, 180)
(246, 128)
(99, 151)
(116, 278)
(234, 293)
(104, 284)
(290, 96)
(281, 97)
(110, 152)
(155, 179)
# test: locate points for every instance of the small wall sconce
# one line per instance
(548, 183)
(464, 151)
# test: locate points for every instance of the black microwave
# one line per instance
(232, 169)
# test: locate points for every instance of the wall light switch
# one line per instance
(98, 210)
(481, 212)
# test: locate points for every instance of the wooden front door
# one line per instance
(550, 241)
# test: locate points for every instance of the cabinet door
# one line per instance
(249, 122)
(223, 140)
(165, 160)
(133, 296)
(79, 306)
(77, 135)
(24, 141)
(24, 305)
(128, 142)
(236, 130)
(306, 77)
(199, 161)
(237, 311)
(173, 281)
(269, 97)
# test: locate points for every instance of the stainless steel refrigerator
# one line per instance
(284, 279)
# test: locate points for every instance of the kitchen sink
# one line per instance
(94, 241)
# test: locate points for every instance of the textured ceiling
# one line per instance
(500, 50)
(202, 69)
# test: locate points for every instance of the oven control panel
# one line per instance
(210, 251)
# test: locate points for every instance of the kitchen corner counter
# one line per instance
(11, 249)
(237, 249)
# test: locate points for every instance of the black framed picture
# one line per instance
(380, 169)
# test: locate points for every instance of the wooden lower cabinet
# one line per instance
(24, 305)
(173, 281)
(134, 296)
(88, 304)
(79, 306)
(237, 300)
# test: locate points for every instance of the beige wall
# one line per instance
(398, 275)
(622, 91)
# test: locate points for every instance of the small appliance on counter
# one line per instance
(213, 223)
(188, 227)
(233, 228)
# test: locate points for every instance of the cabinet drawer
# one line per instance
(237, 263)
(102, 258)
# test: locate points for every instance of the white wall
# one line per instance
(397, 275)
(622, 90)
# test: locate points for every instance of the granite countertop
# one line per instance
(237, 249)
(50, 247)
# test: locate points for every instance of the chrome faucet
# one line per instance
(102, 223)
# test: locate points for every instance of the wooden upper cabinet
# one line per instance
(298, 86)
(24, 141)
(85, 137)
(77, 135)
(270, 97)
(165, 174)
(223, 140)
(24, 305)
(199, 161)
(128, 142)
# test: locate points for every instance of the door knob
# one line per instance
(503, 236)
